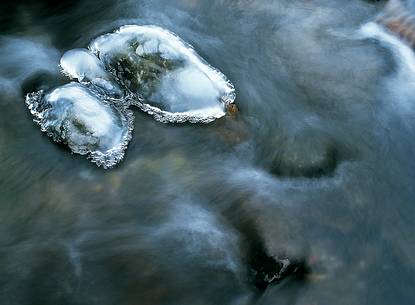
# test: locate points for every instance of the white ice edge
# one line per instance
(205, 115)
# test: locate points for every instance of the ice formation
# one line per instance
(145, 66)
(82, 65)
(87, 123)
(167, 77)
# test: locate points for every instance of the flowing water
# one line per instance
(316, 167)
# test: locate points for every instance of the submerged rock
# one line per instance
(165, 75)
(267, 270)
(87, 123)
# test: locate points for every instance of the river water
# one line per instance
(316, 167)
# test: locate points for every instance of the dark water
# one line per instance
(317, 166)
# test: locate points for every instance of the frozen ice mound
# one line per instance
(143, 66)
(164, 75)
(89, 124)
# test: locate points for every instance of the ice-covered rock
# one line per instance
(85, 67)
(89, 124)
(165, 75)
(145, 66)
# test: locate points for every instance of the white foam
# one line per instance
(201, 234)
(29, 56)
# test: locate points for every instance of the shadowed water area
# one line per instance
(304, 196)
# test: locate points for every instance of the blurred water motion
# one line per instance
(316, 166)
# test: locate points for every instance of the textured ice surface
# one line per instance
(87, 123)
(167, 77)
(82, 65)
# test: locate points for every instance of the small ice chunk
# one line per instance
(90, 125)
(82, 65)
(165, 75)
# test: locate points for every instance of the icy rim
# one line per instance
(187, 50)
(110, 158)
